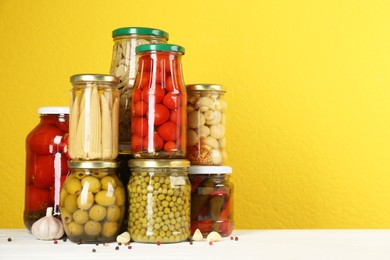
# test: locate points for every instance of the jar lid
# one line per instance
(93, 77)
(160, 163)
(93, 164)
(210, 87)
(160, 47)
(53, 110)
(140, 30)
(210, 170)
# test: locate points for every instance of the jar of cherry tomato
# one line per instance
(206, 133)
(46, 163)
(123, 66)
(211, 199)
(92, 202)
(94, 111)
(159, 117)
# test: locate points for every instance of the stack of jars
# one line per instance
(92, 198)
(153, 94)
(212, 190)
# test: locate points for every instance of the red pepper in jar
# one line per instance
(159, 101)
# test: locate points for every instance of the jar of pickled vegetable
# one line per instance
(94, 111)
(206, 132)
(123, 66)
(92, 202)
(159, 197)
(211, 199)
(159, 117)
(46, 163)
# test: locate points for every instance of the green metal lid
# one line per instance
(160, 163)
(160, 47)
(92, 164)
(210, 87)
(140, 30)
(93, 77)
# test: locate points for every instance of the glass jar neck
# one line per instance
(54, 118)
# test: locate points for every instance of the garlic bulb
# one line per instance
(48, 227)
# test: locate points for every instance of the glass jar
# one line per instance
(94, 111)
(206, 132)
(159, 201)
(211, 199)
(92, 202)
(46, 163)
(159, 117)
(123, 66)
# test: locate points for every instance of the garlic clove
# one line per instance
(48, 227)
(197, 236)
(123, 238)
(214, 237)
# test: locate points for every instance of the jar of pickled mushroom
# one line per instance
(46, 163)
(206, 132)
(123, 66)
(159, 117)
(92, 202)
(93, 119)
(159, 197)
(211, 199)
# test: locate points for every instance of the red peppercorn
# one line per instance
(55, 242)
(129, 247)
(231, 238)
(211, 243)
(158, 243)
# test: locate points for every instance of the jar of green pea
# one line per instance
(159, 200)
(92, 202)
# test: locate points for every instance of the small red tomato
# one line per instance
(43, 171)
(136, 143)
(37, 199)
(144, 79)
(170, 147)
(173, 116)
(171, 100)
(161, 114)
(140, 126)
(169, 84)
(167, 131)
(153, 95)
(41, 139)
(164, 62)
(145, 63)
(140, 108)
(158, 142)
(137, 95)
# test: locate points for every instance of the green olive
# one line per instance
(113, 213)
(73, 186)
(70, 203)
(92, 228)
(66, 217)
(109, 229)
(74, 229)
(99, 173)
(97, 212)
(105, 198)
(80, 217)
(93, 183)
(120, 196)
(85, 200)
(108, 182)
(63, 195)
(79, 174)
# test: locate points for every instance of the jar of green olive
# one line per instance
(92, 202)
(159, 200)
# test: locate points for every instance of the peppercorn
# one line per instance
(236, 238)
(93, 250)
(9, 239)
(117, 248)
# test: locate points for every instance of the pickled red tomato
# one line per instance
(171, 100)
(158, 142)
(42, 141)
(140, 108)
(161, 114)
(153, 95)
(170, 147)
(37, 199)
(43, 171)
(140, 126)
(167, 131)
(173, 116)
(136, 143)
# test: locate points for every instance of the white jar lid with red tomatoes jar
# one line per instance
(46, 163)
(211, 199)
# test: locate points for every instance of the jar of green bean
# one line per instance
(159, 201)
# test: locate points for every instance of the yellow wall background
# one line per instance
(308, 88)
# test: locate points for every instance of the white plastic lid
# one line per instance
(210, 170)
(53, 110)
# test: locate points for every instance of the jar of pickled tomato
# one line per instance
(46, 163)
(211, 199)
(123, 66)
(92, 202)
(159, 117)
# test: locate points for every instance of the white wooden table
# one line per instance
(252, 244)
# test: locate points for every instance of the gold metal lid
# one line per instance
(92, 164)
(204, 87)
(160, 163)
(79, 78)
